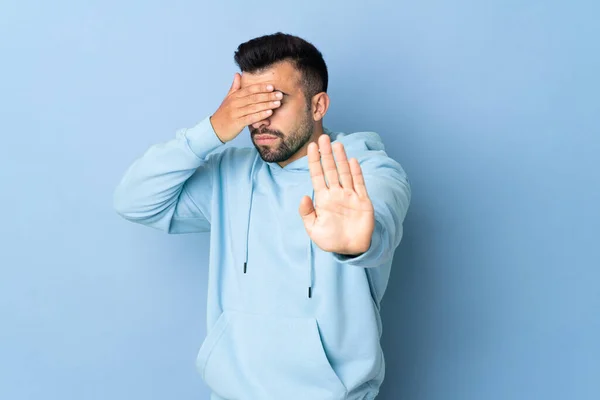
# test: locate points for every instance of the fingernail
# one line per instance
(279, 95)
(269, 87)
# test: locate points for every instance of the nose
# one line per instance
(260, 124)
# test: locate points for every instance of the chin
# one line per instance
(270, 157)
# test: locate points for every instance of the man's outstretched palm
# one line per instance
(342, 219)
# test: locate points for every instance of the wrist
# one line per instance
(216, 128)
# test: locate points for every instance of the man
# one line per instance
(302, 236)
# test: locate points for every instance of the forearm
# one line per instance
(152, 185)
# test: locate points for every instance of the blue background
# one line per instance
(491, 106)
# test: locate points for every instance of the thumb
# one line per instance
(236, 85)
(307, 212)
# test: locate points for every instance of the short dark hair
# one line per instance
(262, 52)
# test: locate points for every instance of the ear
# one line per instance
(320, 105)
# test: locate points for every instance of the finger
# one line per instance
(357, 177)
(314, 166)
(258, 98)
(236, 85)
(256, 88)
(253, 118)
(343, 167)
(328, 162)
(257, 107)
(307, 212)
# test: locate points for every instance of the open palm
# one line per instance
(342, 218)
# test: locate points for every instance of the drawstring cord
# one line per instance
(310, 249)
(249, 212)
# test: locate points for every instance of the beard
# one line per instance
(289, 144)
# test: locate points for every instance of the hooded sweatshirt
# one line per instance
(285, 319)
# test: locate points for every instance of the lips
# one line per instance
(265, 140)
(264, 137)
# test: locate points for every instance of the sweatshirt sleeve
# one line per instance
(155, 190)
(389, 190)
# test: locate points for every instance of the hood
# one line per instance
(355, 144)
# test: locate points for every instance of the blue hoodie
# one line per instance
(285, 319)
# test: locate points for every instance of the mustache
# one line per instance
(265, 131)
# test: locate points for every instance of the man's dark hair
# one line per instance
(261, 53)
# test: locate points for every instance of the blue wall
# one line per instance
(492, 107)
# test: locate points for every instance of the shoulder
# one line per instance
(369, 149)
(362, 141)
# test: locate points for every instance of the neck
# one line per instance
(318, 131)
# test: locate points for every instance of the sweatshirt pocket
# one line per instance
(249, 356)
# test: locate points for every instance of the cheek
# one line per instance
(283, 118)
(283, 110)
(288, 115)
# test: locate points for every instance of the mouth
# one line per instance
(264, 139)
